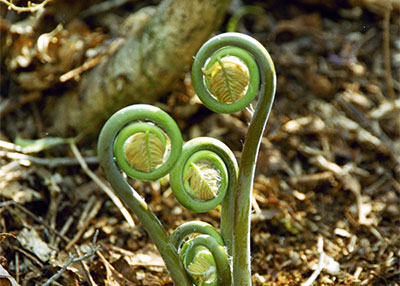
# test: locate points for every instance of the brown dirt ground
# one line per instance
(328, 168)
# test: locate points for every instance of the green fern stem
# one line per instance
(126, 193)
(235, 220)
(184, 230)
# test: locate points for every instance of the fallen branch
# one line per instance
(49, 162)
(71, 259)
(103, 186)
(145, 66)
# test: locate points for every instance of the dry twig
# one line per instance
(324, 262)
(386, 51)
(71, 259)
(90, 211)
(49, 162)
(32, 7)
(84, 264)
(103, 186)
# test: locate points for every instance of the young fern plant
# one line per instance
(235, 219)
(144, 143)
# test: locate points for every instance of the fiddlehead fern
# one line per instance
(115, 150)
(203, 174)
(228, 73)
(140, 147)
(203, 253)
(226, 79)
(235, 220)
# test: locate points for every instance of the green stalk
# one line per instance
(133, 200)
(241, 223)
(193, 227)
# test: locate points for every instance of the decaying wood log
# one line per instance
(144, 67)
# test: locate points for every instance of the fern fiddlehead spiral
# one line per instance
(204, 173)
(146, 144)
(226, 79)
(151, 127)
(202, 251)
(140, 147)
(220, 83)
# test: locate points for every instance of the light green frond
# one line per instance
(203, 180)
(228, 80)
(202, 268)
(144, 151)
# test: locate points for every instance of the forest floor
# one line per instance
(327, 188)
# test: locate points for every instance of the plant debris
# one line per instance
(326, 198)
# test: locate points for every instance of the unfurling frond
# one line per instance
(144, 151)
(203, 180)
(228, 80)
(202, 268)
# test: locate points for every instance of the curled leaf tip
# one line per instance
(144, 151)
(202, 268)
(228, 79)
(203, 179)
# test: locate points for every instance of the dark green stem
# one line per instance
(133, 200)
(192, 227)
(241, 223)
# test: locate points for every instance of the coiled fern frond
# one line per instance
(228, 79)
(203, 180)
(144, 151)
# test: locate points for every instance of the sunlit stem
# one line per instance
(241, 223)
(131, 198)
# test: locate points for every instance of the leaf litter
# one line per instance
(326, 198)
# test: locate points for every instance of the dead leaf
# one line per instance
(30, 240)
(18, 193)
(6, 279)
(114, 278)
